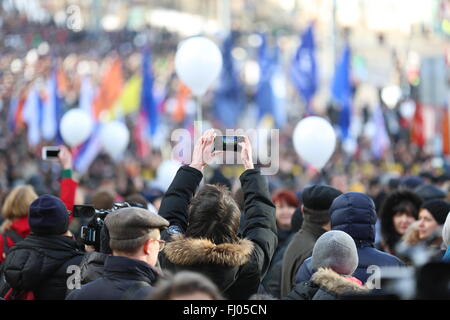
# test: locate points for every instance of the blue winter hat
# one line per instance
(48, 216)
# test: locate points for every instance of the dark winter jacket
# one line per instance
(40, 263)
(123, 279)
(271, 283)
(236, 268)
(325, 284)
(298, 250)
(92, 266)
(354, 213)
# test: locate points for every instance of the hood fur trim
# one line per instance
(188, 251)
(335, 283)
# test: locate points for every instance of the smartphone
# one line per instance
(50, 153)
(228, 143)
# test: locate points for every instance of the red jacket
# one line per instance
(21, 226)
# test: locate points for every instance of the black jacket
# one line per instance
(123, 279)
(236, 268)
(40, 263)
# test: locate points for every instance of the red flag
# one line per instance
(418, 127)
(446, 132)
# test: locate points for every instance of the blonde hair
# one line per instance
(17, 203)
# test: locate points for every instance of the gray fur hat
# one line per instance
(335, 249)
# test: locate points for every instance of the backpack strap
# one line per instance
(14, 236)
(5, 244)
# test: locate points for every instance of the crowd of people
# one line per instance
(218, 232)
(205, 241)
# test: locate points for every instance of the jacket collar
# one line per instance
(51, 242)
(129, 269)
(313, 228)
(189, 251)
(336, 284)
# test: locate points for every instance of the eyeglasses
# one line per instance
(162, 244)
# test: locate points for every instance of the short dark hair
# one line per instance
(185, 283)
(214, 215)
(137, 198)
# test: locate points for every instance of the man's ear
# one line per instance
(301, 208)
(147, 246)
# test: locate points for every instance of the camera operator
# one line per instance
(130, 272)
(203, 229)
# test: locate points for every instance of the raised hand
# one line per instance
(246, 153)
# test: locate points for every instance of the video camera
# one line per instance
(90, 234)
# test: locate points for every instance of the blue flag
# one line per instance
(32, 114)
(228, 98)
(268, 60)
(342, 91)
(304, 67)
(148, 103)
(51, 109)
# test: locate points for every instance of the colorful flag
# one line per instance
(342, 91)
(148, 104)
(147, 122)
(183, 94)
(418, 127)
(131, 95)
(228, 98)
(304, 68)
(380, 140)
(51, 112)
(264, 92)
(88, 151)
(86, 94)
(109, 90)
(445, 131)
(32, 114)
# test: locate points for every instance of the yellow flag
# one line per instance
(131, 95)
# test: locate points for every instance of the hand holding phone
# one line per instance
(50, 153)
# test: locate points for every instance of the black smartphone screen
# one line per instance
(52, 153)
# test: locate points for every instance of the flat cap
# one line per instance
(133, 223)
(430, 192)
(319, 197)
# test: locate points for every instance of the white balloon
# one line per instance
(114, 137)
(165, 174)
(76, 127)
(314, 141)
(198, 62)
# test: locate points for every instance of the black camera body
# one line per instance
(90, 234)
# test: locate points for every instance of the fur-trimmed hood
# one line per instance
(336, 284)
(190, 251)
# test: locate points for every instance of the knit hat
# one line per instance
(132, 223)
(439, 209)
(430, 192)
(317, 201)
(335, 249)
(48, 216)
